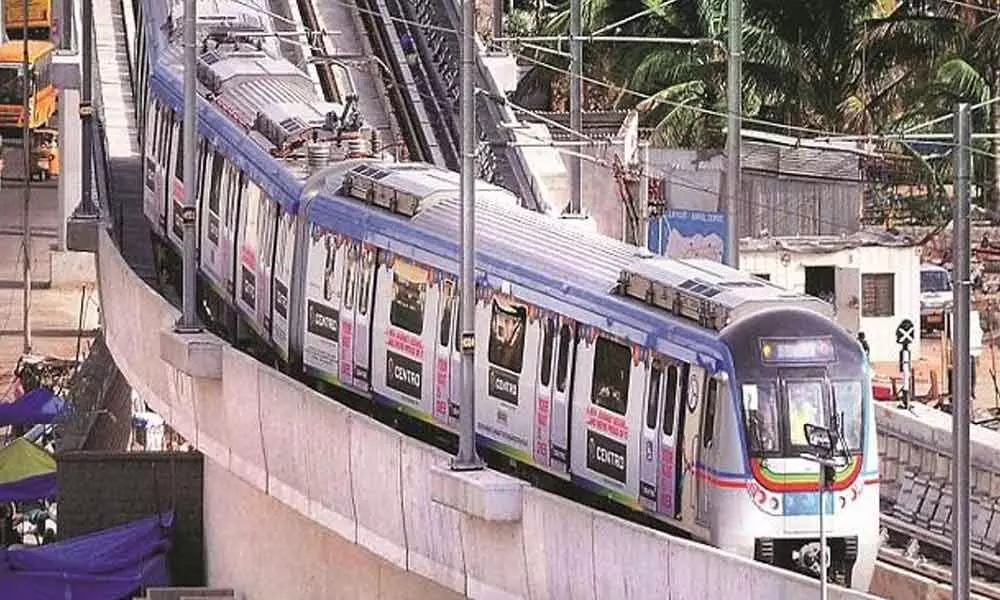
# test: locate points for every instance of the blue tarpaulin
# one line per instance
(106, 565)
(36, 407)
(39, 487)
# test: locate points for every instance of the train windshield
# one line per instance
(776, 421)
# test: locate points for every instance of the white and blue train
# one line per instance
(676, 388)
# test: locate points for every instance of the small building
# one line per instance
(872, 279)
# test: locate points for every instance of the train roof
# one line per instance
(548, 262)
(248, 88)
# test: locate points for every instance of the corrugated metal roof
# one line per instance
(822, 244)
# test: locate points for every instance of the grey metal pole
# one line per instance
(575, 104)
(734, 175)
(87, 208)
(66, 23)
(643, 233)
(497, 19)
(26, 148)
(822, 533)
(467, 458)
(188, 322)
(960, 566)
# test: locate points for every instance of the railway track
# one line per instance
(440, 51)
(928, 553)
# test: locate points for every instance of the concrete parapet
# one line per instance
(307, 499)
(182, 593)
(486, 495)
(69, 269)
(197, 355)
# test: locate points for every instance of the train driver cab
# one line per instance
(794, 367)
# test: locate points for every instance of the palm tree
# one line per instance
(956, 50)
(805, 65)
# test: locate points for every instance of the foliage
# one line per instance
(849, 66)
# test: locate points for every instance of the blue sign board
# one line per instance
(689, 234)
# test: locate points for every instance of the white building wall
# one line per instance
(902, 262)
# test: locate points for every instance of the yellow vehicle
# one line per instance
(39, 19)
(44, 96)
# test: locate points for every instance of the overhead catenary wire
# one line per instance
(827, 133)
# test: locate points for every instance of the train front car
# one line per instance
(795, 367)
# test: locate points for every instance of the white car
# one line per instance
(935, 296)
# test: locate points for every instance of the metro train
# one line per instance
(678, 389)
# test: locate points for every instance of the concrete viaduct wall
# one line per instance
(307, 499)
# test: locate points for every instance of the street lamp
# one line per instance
(823, 442)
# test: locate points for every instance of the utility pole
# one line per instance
(189, 318)
(734, 166)
(960, 351)
(467, 458)
(497, 19)
(643, 208)
(26, 147)
(87, 208)
(575, 104)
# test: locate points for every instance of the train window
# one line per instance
(166, 122)
(562, 368)
(409, 295)
(548, 340)
(708, 422)
(458, 317)
(216, 180)
(203, 156)
(612, 371)
(447, 302)
(179, 164)
(760, 408)
(847, 397)
(329, 267)
(234, 188)
(351, 277)
(507, 327)
(670, 401)
(653, 401)
(805, 405)
(367, 266)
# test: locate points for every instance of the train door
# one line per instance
(324, 275)
(543, 398)
(560, 417)
(363, 316)
(444, 349)
(610, 385)
(267, 230)
(284, 254)
(175, 185)
(349, 313)
(404, 337)
(234, 183)
(211, 256)
(253, 216)
(158, 121)
(715, 391)
(694, 478)
(670, 467)
(649, 451)
(455, 374)
(505, 413)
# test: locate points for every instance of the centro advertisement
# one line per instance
(321, 341)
